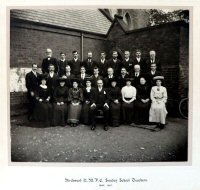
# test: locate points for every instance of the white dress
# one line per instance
(158, 112)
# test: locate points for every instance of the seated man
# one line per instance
(101, 103)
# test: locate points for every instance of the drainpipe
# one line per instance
(82, 46)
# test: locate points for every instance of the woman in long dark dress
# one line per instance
(128, 96)
(43, 109)
(89, 99)
(142, 103)
(75, 100)
(114, 95)
(60, 103)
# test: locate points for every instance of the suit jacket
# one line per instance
(82, 81)
(148, 65)
(89, 66)
(103, 68)
(68, 82)
(101, 97)
(107, 81)
(61, 67)
(116, 66)
(89, 96)
(149, 77)
(75, 66)
(94, 80)
(46, 63)
(52, 82)
(142, 64)
(32, 82)
(136, 80)
(121, 82)
(128, 65)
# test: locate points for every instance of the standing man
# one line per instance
(103, 65)
(82, 77)
(49, 60)
(52, 81)
(69, 76)
(32, 83)
(122, 78)
(152, 73)
(95, 77)
(115, 63)
(89, 64)
(62, 63)
(138, 60)
(153, 59)
(127, 62)
(101, 103)
(75, 63)
(136, 75)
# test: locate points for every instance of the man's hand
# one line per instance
(32, 93)
(58, 103)
(40, 100)
(116, 101)
(61, 103)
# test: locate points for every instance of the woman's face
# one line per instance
(43, 82)
(158, 82)
(62, 83)
(75, 84)
(113, 84)
(142, 81)
(128, 83)
(88, 84)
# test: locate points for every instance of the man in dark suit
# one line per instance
(75, 64)
(95, 77)
(152, 73)
(101, 103)
(82, 77)
(138, 60)
(122, 78)
(136, 74)
(153, 59)
(52, 81)
(89, 64)
(49, 60)
(109, 77)
(103, 65)
(127, 62)
(32, 83)
(115, 63)
(69, 76)
(62, 63)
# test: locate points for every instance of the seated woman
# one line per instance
(60, 97)
(158, 96)
(75, 99)
(114, 95)
(43, 109)
(128, 96)
(142, 103)
(89, 99)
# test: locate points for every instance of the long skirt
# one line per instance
(127, 111)
(115, 112)
(141, 114)
(74, 113)
(59, 114)
(43, 113)
(158, 112)
(85, 114)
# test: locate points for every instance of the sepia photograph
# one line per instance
(99, 85)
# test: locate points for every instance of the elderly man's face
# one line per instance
(137, 68)
(152, 54)
(49, 53)
(110, 71)
(100, 83)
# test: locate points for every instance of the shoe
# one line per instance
(162, 126)
(93, 127)
(106, 127)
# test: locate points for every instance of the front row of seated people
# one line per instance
(80, 101)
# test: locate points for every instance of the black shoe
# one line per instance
(162, 126)
(93, 127)
(106, 127)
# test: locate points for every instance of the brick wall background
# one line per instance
(28, 42)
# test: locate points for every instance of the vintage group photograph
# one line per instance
(99, 85)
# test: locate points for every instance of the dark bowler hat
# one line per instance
(158, 78)
(88, 79)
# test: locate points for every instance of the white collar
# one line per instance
(127, 59)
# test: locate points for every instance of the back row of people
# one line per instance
(103, 64)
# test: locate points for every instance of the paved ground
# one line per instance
(80, 144)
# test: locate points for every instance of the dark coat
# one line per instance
(75, 66)
(89, 66)
(94, 80)
(101, 97)
(116, 66)
(121, 82)
(128, 65)
(149, 77)
(89, 96)
(68, 82)
(148, 65)
(107, 81)
(114, 93)
(82, 81)
(52, 83)
(136, 80)
(46, 63)
(61, 67)
(103, 68)
(142, 64)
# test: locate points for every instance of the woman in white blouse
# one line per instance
(128, 96)
(158, 96)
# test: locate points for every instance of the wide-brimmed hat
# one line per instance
(88, 79)
(128, 79)
(158, 78)
(75, 80)
(62, 79)
(114, 79)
